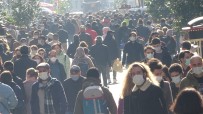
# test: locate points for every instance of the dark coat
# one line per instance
(166, 58)
(124, 33)
(62, 74)
(72, 49)
(150, 101)
(58, 95)
(63, 35)
(133, 51)
(71, 89)
(22, 64)
(100, 53)
(143, 32)
(86, 37)
(112, 47)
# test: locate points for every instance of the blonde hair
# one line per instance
(128, 83)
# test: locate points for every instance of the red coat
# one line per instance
(92, 33)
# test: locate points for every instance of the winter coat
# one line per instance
(112, 47)
(86, 37)
(63, 35)
(57, 67)
(166, 58)
(133, 51)
(22, 64)
(58, 96)
(107, 94)
(148, 99)
(101, 54)
(92, 33)
(124, 33)
(190, 81)
(71, 89)
(72, 49)
(8, 99)
(143, 32)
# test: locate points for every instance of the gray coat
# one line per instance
(8, 99)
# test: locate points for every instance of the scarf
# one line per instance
(48, 100)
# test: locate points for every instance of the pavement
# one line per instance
(117, 88)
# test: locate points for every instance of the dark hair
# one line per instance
(154, 64)
(56, 44)
(8, 65)
(6, 77)
(42, 37)
(176, 68)
(86, 50)
(182, 54)
(32, 72)
(76, 38)
(188, 101)
(155, 41)
(24, 50)
(93, 72)
(186, 45)
(165, 70)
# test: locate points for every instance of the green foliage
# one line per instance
(186, 10)
(64, 6)
(24, 11)
(158, 8)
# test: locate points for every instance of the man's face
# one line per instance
(186, 56)
(43, 69)
(196, 62)
(52, 54)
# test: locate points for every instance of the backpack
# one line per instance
(94, 101)
(84, 66)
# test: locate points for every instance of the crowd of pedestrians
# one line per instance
(63, 66)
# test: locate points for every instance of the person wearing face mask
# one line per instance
(133, 51)
(57, 69)
(184, 58)
(33, 50)
(48, 95)
(176, 72)
(42, 44)
(156, 68)
(194, 77)
(34, 41)
(72, 86)
(149, 53)
(161, 52)
(38, 58)
(141, 93)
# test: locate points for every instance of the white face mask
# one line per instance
(53, 59)
(75, 77)
(176, 79)
(132, 38)
(157, 49)
(43, 75)
(197, 70)
(150, 55)
(187, 62)
(159, 78)
(138, 79)
(37, 60)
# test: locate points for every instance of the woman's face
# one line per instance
(157, 72)
(136, 71)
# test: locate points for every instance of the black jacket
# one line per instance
(22, 64)
(166, 58)
(112, 47)
(124, 33)
(86, 37)
(150, 101)
(72, 49)
(144, 32)
(100, 53)
(71, 89)
(133, 52)
(63, 35)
